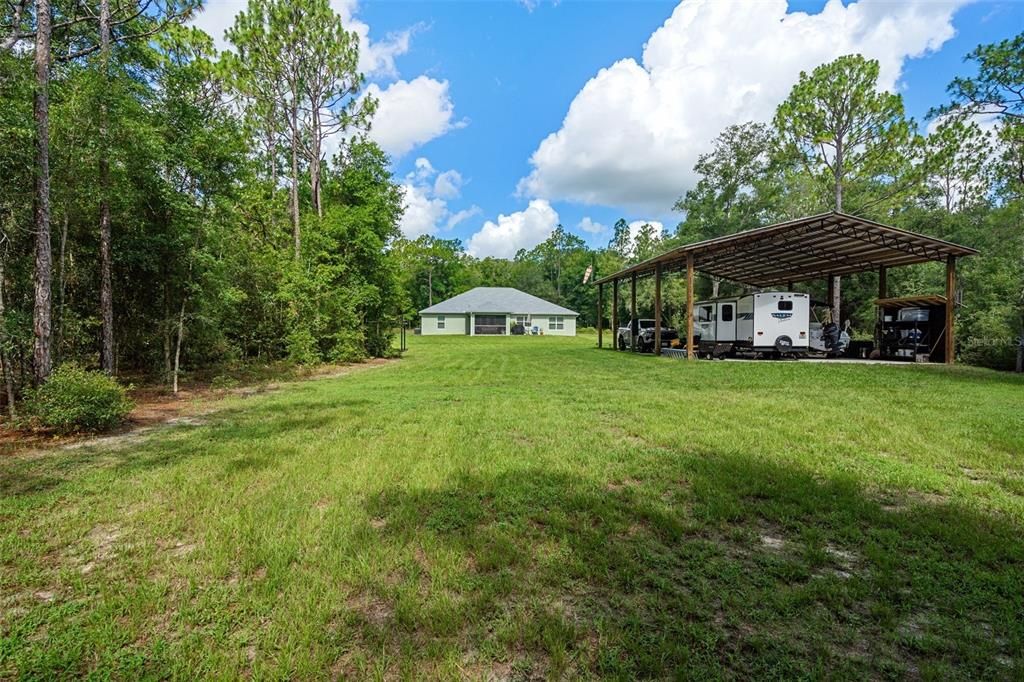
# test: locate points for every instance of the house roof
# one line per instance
(803, 249)
(496, 300)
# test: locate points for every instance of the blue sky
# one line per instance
(471, 90)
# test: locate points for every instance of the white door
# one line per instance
(726, 330)
(704, 322)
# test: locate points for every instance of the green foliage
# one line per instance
(996, 87)
(848, 135)
(75, 399)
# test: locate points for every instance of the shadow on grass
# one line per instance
(709, 566)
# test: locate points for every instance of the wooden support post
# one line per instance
(615, 314)
(829, 295)
(657, 308)
(633, 324)
(883, 289)
(600, 315)
(689, 307)
(950, 308)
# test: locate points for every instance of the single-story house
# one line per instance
(495, 310)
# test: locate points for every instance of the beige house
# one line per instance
(488, 311)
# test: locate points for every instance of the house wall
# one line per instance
(543, 321)
(453, 325)
(456, 324)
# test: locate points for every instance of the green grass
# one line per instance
(535, 507)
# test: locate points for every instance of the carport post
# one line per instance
(657, 308)
(950, 307)
(600, 314)
(883, 289)
(689, 306)
(615, 314)
(633, 324)
(829, 296)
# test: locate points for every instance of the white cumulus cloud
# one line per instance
(448, 184)
(423, 212)
(633, 133)
(590, 227)
(411, 113)
(427, 193)
(463, 215)
(520, 230)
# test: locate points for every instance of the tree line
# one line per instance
(164, 204)
(838, 142)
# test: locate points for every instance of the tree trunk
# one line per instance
(430, 287)
(4, 357)
(106, 289)
(314, 166)
(43, 277)
(177, 345)
(295, 180)
(715, 284)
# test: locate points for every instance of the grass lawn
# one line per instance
(536, 508)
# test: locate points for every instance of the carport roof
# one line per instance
(798, 250)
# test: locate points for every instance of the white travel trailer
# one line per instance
(773, 322)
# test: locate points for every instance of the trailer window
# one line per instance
(785, 305)
(726, 313)
(704, 313)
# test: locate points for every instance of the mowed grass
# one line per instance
(522, 508)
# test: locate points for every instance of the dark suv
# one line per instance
(645, 336)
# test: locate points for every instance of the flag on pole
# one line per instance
(588, 273)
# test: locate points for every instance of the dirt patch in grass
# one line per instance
(617, 486)
(371, 609)
(911, 498)
(156, 408)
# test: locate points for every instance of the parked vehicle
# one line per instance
(645, 336)
(771, 323)
(825, 335)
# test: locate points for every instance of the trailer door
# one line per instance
(726, 322)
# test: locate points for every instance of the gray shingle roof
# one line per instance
(496, 300)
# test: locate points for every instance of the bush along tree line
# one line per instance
(836, 143)
(163, 206)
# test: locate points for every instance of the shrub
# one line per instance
(74, 399)
(302, 347)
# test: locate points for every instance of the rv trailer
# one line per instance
(773, 322)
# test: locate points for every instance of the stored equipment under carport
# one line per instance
(773, 322)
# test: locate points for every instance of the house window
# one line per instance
(440, 321)
(523, 320)
(556, 323)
